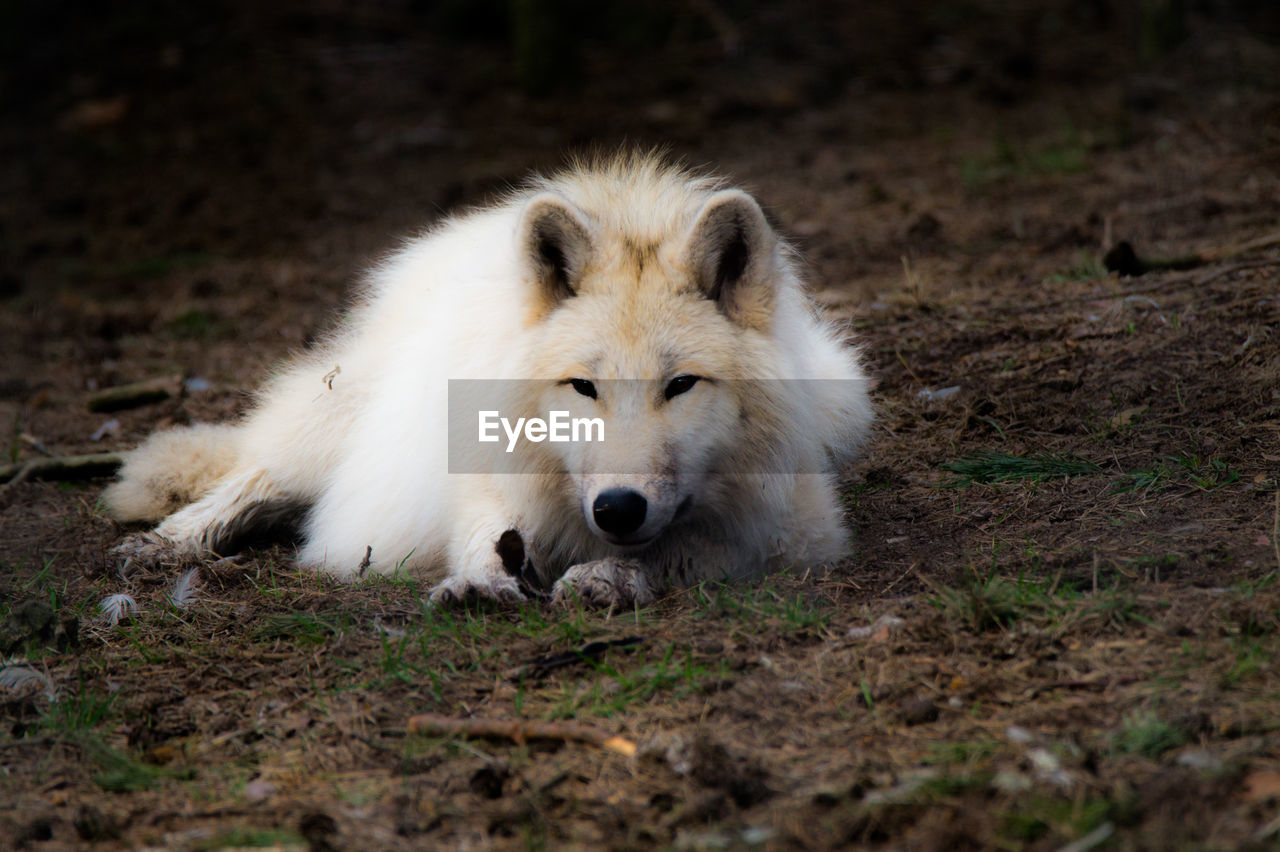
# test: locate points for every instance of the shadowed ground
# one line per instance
(1060, 621)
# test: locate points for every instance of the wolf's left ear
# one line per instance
(731, 252)
(556, 241)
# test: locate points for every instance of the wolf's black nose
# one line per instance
(619, 511)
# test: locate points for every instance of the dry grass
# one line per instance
(1076, 647)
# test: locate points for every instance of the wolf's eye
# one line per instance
(679, 385)
(583, 387)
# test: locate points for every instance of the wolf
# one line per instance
(626, 291)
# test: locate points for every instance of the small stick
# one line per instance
(62, 467)
(1121, 257)
(1275, 529)
(433, 724)
(1094, 838)
(910, 568)
(1266, 241)
(1086, 684)
(135, 394)
(34, 443)
(1170, 284)
(41, 742)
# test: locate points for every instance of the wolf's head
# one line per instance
(652, 321)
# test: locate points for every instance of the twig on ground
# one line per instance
(374, 744)
(1205, 278)
(1094, 838)
(902, 360)
(519, 731)
(135, 394)
(41, 741)
(541, 666)
(62, 467)
(1275, 529)
(1102, 685)
(1266, 241)
(34, 443)
(1122, 258)
(1193, 278)
(900, 577)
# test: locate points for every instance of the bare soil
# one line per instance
(1023, 662)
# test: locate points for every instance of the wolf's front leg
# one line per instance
(212, 525)
(610, 582)
(488, 568)
(486, 556)
(679, 562)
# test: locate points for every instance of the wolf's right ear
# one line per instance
(556, 241)
(731, 252)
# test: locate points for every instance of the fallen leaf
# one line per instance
(94, 113)
(161, 755)
(1124, 418)
(257, 790)
(1261, 785)
(878, 631)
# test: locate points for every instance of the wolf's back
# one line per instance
(170, 470)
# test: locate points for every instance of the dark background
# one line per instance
(135, 132)
(190, 190)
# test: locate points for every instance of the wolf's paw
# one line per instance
(454, 591)
(144, 552)
(604, 583)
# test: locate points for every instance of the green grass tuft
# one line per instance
(80, 712)
(120, 773)
(304, 627)
(614, 688)
(1186, 469)
(1039, 816)
(1146, 734)
(997, 602)
(198, 324)
(971, 753)
(1066, 154)
(254, 838)
(1182, 469)
(1085, 266)
(758, 605)
(984, 468)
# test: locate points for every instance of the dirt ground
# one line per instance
(1060, 625)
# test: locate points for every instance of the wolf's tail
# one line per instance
(170, 470)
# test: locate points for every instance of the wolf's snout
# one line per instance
(619, 511)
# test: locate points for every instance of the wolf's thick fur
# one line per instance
(628, 269)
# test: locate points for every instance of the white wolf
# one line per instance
(627, 291)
